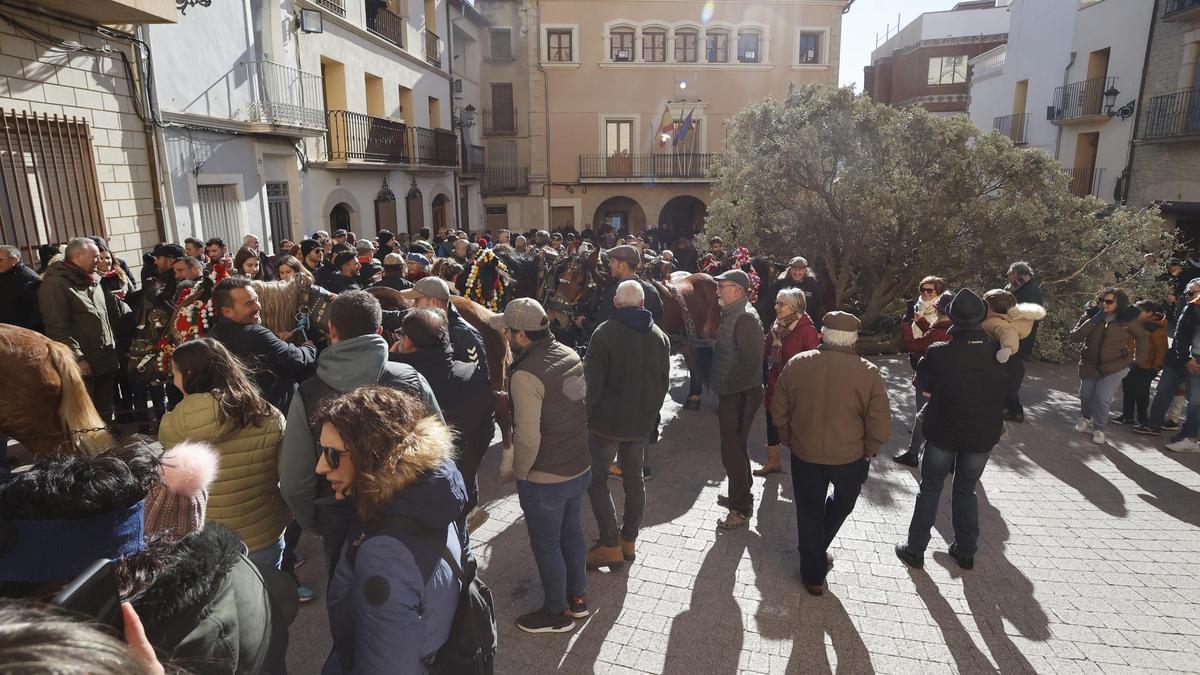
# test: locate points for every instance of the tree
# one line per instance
(881, 197)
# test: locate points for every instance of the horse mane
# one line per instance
(75, 409)
(280, 300)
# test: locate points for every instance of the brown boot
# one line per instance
(627, 550)
(605, 556)
(772, 465)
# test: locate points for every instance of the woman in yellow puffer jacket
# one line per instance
(222, 407)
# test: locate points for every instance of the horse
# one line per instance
(283, 305)
(691, 315)
(44, 403)
(498, 355)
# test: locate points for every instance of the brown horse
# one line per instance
(44, 403)
(498, 355)
(282, 304)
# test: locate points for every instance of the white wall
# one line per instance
(937, 25)
(322, 189)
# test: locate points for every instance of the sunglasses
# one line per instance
(333, 457)
(929, 290)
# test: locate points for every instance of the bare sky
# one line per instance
(868, 17)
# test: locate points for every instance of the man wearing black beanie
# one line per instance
(967, 389)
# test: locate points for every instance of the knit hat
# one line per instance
(967, 310)
(176, 506)
(736, 276)
(523, 314)
(308, 245)
(173, 251)
(942, 304)
(843, 321)
(417, 258)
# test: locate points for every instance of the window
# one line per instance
(619, 137)
(220, 211)
(435, 113)
(810, 48)
(717, 46)
(620, 45)
(501, 41)
(559, 45)
(685, 46)
(947, 70)
(748, 46)
(654, 46)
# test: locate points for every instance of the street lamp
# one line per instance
(466, 119)
(1110, 99)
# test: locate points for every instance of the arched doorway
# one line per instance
(617, 214)
(682, 216)
(339, 217)
(440, 217)
(414, 211)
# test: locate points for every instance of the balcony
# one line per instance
(355, 137)
(1182, 10)
(387, 25)
(989, 63)
(1174, 115)
(1084, 182)
(336, 6)
(621, 168)
(433, 48)
(1081, 102)
(502, 122)
(1014, 126)
(111, 12)
(506, 180)
(284, 97)
(472, 160)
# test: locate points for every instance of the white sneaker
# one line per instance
(1098, 437)
(1084, 426)
(1184, 445)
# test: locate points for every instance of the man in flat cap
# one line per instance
(622, 266)
(466, 342)
(831, 409)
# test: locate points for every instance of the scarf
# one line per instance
(779, 332)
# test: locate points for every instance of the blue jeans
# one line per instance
(935, 466)
(1169, 382)
(553, 513)
(269, 556)
(1096, 397)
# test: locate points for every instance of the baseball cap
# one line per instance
(168, 251)
(364, 245)
(429, 287)
(521, 314)
(393, 260)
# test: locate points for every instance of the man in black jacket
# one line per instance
(277, 365)
(466, 343)
(1023, 284)
(346, 276)
(622, 265)
(966, 387)
(394, 270)
(462, 390)
(18, 290)
(1179, 366)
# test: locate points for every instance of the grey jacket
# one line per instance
(738, 352)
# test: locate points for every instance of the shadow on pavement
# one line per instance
(1172, 498)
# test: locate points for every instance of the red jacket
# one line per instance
(938, 332)
(804, 336)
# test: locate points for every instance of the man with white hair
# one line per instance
(627, 368)
(833, 433)
(76, 312)
(18, 290)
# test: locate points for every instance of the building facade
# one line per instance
(609, 115)
(78, 156)
(1068, 82)
(925, 63)
(1166, 155)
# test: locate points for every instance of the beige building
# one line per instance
(610, 114)
(76, 156)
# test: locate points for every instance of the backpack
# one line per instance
(470, 648)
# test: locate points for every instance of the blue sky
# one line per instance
(868, 17)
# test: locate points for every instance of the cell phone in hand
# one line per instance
(94, 593)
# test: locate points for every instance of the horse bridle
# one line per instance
(556, 301)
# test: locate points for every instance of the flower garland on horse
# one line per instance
(493, 295)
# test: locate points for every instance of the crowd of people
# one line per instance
(375, 447)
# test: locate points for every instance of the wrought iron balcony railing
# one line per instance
(1014, 126)
(433, 48)
(436, 147)
(1084, 182)
(283, 95)
(472, 160)
(1175, 9)
(1175, 114)
(646, 167)
(500, 122)
(387, 25)
(1080, 99)
(336, 6)
(506, 180)
(365, 138)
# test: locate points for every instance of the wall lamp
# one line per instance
(1124, 112)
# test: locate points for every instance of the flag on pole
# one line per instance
(665, 127)
(684, 128)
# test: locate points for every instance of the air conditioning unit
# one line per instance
(624, 55)
(456, 86)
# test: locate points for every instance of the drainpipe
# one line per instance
(155, 154)
(546, 94)
(450, 67)
(1127, 174)
(1058, 136)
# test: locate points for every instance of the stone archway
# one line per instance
(340, 217)
(619, 213)
(682, 216)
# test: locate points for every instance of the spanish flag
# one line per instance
(666, 128)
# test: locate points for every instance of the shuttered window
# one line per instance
(220, 212)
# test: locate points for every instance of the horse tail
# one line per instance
(75, 407)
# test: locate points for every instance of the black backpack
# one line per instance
(470, 648)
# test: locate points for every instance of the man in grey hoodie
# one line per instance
(357, 356)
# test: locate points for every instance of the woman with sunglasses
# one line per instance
(919, 335)
(392, 597)
(1106, 328)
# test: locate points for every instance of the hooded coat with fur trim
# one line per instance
(1010, 328)
(1106, 343)
(385, 614)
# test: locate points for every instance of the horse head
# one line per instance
(298, 301)
(572, 279)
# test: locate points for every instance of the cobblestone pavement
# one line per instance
(1089, 561)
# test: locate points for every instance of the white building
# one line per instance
(1067, 82)
(348, 120)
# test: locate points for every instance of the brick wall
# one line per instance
(42, 78)
(904, 77)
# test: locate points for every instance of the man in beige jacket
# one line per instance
(831, 409)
